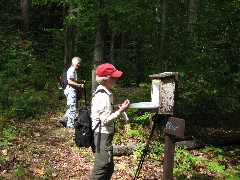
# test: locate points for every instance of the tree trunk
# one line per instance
(230, 140)
(119, 150)
(112, 48)
(164, 17)
(69, 40)
(192, 16)
(24, 5)
(76, 36)
(139, 63)
(100, 44)
(122, 41)
(156, 31)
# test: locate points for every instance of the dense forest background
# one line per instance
(197, 39)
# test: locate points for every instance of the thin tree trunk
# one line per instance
(76, 40)
(139, 63)
(100, 44)
(192, 15)
(69, 40)
(122, 41)
(164, 17)
(112, 48)
(156, 31)
(24, 5)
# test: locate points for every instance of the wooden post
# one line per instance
(174, 128)
(163, 97)
(167, 84)
(168, 157)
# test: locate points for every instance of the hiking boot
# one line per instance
(63, 123)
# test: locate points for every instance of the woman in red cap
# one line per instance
(102, 113)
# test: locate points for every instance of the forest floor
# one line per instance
(46, 150)
(43, 149)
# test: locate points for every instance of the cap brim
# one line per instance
(116, 74)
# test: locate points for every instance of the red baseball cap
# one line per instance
(107, 69)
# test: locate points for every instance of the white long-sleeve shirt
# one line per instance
(102, 108)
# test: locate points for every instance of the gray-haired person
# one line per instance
(71, 94)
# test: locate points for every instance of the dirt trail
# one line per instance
(45, 150)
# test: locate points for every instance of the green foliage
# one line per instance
(214, 152)
(204, 51)
(216, 167)
(136, 134)
(19, 171)
(139, 150)
(143, 118)
(9, 133)
(186, 164)
(145, 85)
(157, 148)
(131, 112)
(117, 139)
(129, 71)
(7, 136)
(1, 159)
(10, 18)
(24, 80)
(204, 104)
(27, 105)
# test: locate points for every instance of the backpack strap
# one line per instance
(99, 138)
(85, 95)
(99, 134)
(101, 91)
(99, 123)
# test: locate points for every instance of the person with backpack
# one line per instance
(102, 113)
(70, 92)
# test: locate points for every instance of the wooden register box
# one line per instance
(163, 94)
(164, 91)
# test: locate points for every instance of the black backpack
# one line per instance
(63, 82)
(84, 136)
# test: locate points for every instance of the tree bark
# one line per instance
(192, 15)
(164, 17)
(100, 43)
(119, 150)
(112, 47)
(24, 5)
(122, 41)
(139, 63)
(69, 40)
(156, 31)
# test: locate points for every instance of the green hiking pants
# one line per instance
(103, 161)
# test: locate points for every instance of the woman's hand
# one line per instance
(116, 106)
(124, 106)
(80, 85)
